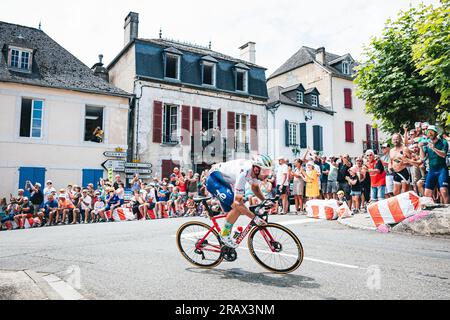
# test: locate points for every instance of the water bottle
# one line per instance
(238, 233)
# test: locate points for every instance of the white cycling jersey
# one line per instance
(237, 173)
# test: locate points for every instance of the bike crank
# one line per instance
(229, 254)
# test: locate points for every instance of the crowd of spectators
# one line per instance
(417, 160)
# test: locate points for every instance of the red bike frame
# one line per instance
(266, 234)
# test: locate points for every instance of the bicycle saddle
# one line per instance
(201, 199)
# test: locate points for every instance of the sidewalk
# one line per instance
(29, 285)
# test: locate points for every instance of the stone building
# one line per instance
(194, 106)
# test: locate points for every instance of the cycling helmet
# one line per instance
(263, 161)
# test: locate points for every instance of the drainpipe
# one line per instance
(272, 110)
(137, 114)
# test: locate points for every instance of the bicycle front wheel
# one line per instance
(200, 244)
(276, 248)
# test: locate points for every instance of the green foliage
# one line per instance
(431, 54)
(395, 89)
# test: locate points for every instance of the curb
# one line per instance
(54, 287)
(348, 223)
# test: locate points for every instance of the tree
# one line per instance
(393, 88)
(431, 54)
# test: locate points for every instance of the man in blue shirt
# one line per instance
(436, 150)
(50, 209)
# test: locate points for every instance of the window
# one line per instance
(293, 133)
(300, 97)
(93, 128)
(31, 118)
(349, 132)
(314, 101)
(241, 80)
(173, 66)
(209, 74)
(20, 59)
(345, 67)
(170, 124)
(242, 133)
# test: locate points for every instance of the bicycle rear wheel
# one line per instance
(199, 245)
(276, 248)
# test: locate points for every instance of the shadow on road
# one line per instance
(267, 279)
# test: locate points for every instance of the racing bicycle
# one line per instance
(274, 247)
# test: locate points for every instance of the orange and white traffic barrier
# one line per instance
(123, 214)
(322, 209)
(394, 210)
(344, 211)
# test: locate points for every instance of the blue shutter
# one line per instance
(303, 136)
(318, 138)
(32, 174)
(92, 176)
(287, 133)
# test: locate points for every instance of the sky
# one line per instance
(88, 28)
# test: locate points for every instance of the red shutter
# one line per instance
(197, 127)
(349, 132)
(254, 133)
(157, 121)
(167, 168)
(348, 98)
(231, 121)
(369, 134)
(186, 125)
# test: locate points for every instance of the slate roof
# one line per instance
(307, 55)
(277, 95)
(203, 51)
(53, 66)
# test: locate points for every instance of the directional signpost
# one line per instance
(115, 165)
(143, 169)
(114, 154)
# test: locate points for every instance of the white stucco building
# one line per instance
(51, 103)
(354, 131)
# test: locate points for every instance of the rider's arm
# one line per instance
(257, 191)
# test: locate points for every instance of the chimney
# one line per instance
(248, 52)
(320, 55)
(100, 70)
(131, 27)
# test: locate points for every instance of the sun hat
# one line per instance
(433, 128)
(386, 145)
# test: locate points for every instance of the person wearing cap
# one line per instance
(436, 151)
(36, 195)
(50, 209)
(66, 209)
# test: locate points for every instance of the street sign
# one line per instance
(114, 154)
(138, 171)
(140, 177)
(115, 165)
(139, 165)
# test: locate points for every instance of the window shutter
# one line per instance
(186, 125)
(375, 137)
(254, 133)
(286, 126)
(303, 136)
(349, 132)
(316, 137)
(157, 121)
(231, 126)
(368, 135)
(348, 98)
(321, 138)
(196, 126)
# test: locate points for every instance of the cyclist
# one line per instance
(226, 182)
